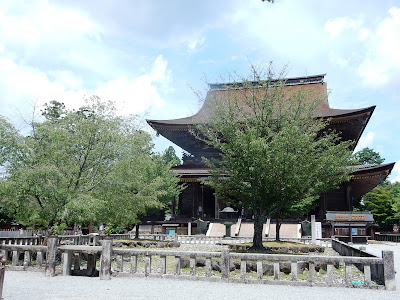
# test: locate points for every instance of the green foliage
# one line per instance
(276, 158)
(384, 202)
(81, 166)
(368, 156)
(169, 157)
(395, 192)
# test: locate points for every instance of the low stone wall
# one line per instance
(211, 266)
(382, 273)
(284, 249)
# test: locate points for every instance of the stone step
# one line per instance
(286, 231)
(218, 229)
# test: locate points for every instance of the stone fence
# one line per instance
(379, 272)
(212, 266)
(92, 239)
(203, 239)
(27, 233)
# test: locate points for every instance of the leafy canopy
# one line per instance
(275, 158)
(368, 156)
(81, 166)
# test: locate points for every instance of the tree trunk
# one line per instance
(258, 227)
(137, 232)
(278, 228)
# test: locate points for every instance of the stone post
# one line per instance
(105, 263)
(52, 242)
(189, 228)
(2, 272)
(388, 270)
(225, 264)
(313, 231)
(66, 262)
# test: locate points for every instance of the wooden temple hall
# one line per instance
(198, 201)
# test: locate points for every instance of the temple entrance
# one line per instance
(196, 201)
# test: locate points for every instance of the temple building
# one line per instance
(197, 201)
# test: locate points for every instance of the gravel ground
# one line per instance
(34, 285)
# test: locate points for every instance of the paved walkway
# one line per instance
(33, 285)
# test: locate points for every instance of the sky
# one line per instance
(153, 57)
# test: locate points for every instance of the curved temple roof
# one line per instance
(350, 122)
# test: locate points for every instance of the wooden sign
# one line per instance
(358, 217)
(342, 217)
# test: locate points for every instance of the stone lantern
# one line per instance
(228, 214)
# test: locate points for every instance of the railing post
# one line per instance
(147, 265)
(133, 263)
(2, 272)
(52, 242)
(193, 265)
(208, 266)
(105, 263)
(225, 264)
(293, 270)
(388, 270)
(163, 264)
(67, 262)
(243, 268)
(27, 259)
(39, 258)
(260, 270)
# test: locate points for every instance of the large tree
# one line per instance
(368, 156)
(80, 166)
(381, 202)
(276, 158)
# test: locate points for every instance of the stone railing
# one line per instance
(28, 233)
(383, 272)
(90, 239)
(203, 239)
(212, 266)
(36, 240)
(30, 253)
(247, 268)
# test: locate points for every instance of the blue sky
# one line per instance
(149, 56)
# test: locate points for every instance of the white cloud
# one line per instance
(138, 94)
(335, 26)
(381, 64)
(395, 175)
(365, 141)
(20, 86)
(195, 44)
(44, 22)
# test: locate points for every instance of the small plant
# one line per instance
(57, 228)
(108, 230)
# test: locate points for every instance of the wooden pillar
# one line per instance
(173, 207)
(349, 203)
(216, 208)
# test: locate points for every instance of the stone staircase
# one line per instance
(246, 229)
(218, 229)
(287, 231)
